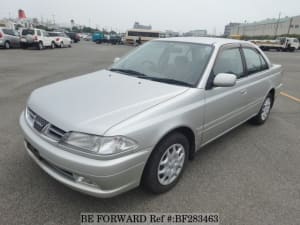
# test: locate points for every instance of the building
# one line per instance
(170, 33)
(228, 28)
(196, 33)
(269, 27)
(7, 23)
(137, 25)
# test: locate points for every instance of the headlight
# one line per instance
(98, 144)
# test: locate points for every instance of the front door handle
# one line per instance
(243, 92)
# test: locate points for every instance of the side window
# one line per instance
(254, 61)
(229, 61)
(38, 33)
(11, 32)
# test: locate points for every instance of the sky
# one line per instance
(177, 15)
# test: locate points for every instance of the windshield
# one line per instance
(28, 31)
(170, 62)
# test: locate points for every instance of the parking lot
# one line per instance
(250, 176)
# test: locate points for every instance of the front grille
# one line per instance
(55, 132)
(39, 123)
(31, 115)
(43, 126)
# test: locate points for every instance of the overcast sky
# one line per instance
(178, 15)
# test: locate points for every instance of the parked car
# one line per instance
(36, 38)
(87, 37)
(61, 39)
(115, 39)
(98, 37)
(142, 119)
(9, 38)
(74, 36)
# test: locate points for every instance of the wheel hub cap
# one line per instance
(266, 109)
(171, 164)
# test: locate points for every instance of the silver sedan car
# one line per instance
(141, 120)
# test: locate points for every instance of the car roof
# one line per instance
(204, 40)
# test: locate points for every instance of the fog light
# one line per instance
(84, 180)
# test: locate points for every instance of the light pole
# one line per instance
(277, 25)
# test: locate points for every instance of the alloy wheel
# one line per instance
(266, 109)
(171, 164)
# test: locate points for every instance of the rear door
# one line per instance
(67, 40)
(225, 106)
(256, 79)
(46, 38)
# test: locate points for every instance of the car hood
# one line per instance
(95, 102)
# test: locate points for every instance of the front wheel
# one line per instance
(264, 111)
(166, 163)
(40, 46)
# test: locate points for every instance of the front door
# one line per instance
(224, 107)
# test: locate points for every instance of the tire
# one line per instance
(7, 45)
(61, 45)
(52, 45)
(40, 46)
(23, 46)
(166, 163)
(264, 111)
(292, 49)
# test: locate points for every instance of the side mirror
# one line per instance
(225, 80)
(116, 59)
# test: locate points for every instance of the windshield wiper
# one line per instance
(168, 80)
(129, 72)
(144, 76)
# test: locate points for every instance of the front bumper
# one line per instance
(109, 177)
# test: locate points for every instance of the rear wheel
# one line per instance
(52, 45)
(61, 45)
(166, 163)
(7, 45)
(23, 46)
(264, 111)
(292, 49)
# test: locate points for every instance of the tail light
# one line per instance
(57, 39)
(1, 35)
(35, 38)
